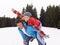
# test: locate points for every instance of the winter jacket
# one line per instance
(30, 30)
(22, 34)
(18, 13)
(32, 21)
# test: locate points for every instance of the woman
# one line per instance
(30, 31)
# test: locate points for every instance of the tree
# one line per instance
(3, 21)
(8, 22)
(42, 16)
(29, 8)
(58, 16)
(50, 17)
(23, 11)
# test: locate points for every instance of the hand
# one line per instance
(12, 9)
(31, 39)
(46, 36)
(25, 42)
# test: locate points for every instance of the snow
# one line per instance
(11, 36)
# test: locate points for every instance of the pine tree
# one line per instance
(50, 17)
(23, 11)
(29, 8)
(57, 17)
(42, 16)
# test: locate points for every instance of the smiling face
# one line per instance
(26, 18)
(20, 25)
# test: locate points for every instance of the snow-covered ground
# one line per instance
(11, 36)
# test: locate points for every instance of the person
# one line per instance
(19, 23)
(26, 37)
(31, 21)
(30, 31)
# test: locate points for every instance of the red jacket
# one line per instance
(18, 13)
(32, 21)
(36, 23)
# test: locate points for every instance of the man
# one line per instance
(30, 31)
(22, 29)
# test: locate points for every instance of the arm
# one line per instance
(22, 34)
(18, 13)
(25, 32)
(37, 23)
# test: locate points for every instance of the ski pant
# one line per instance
(27, 43)
(40, 40)
(28, 40)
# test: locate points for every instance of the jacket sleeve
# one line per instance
(36, 26)
(18, 13)
(22, 34)
(41, 32)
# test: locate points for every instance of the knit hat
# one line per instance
(27, 14)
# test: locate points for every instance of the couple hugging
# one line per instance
(30, 28)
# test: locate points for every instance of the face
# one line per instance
(20, 25)
(26, 18)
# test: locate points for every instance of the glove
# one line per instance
(31, 39)
(25, 42)
(46, 36)
(14, 11)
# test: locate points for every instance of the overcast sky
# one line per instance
(7, 5)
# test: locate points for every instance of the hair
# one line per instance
(18, 21)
